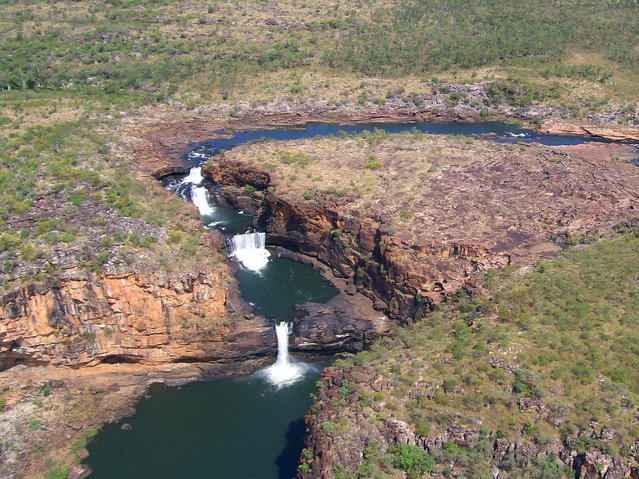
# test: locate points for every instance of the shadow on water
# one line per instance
(287, 460)
(275, 290)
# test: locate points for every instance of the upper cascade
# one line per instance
(195, 176)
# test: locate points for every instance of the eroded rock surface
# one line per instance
(475, 206)
(84, 319)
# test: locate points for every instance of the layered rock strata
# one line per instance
(84, 319)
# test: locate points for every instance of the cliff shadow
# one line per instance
(288, 459)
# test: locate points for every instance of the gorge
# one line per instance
(379, 280)
(249, 249)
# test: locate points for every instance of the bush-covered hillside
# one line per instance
(547, 358)
(160, 49)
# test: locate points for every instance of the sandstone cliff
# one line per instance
(429, 227)
(85, 318)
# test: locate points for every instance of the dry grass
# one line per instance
(449, 188)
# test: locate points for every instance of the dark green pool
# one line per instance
(243, 428)
(283, 283)
(234, 428)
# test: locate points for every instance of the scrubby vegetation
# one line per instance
(64, 201)
(425, 36)
(74, 77)
(134, 53)
(543, 358)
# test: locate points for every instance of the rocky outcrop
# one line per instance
(604, 132)
(345, 323)
(337, 403)
(84, 319)
(472, 214)
(233, 173)
(402, 278)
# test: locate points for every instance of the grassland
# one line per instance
(193, 53)
(65, 202)
(546, 358)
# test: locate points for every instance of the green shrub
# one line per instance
(35, 424)
(528, 383)
(58, 472)
(373, 165)
(582, 372)
(296, 158)
(449, 385)
(412, 459)
(67, 237)
(99, 261)
(328, 427)
(422, 429)
(451, 448)
(77, 198)
(174, 237)
(347, 388)
(8, 240)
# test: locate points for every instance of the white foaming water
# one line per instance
(197, 155)
(194, 176)
(200, 198)
(249, 249)
(284, 371)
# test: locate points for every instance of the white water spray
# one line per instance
(194, 176)
(249, 249)
(200, 198)
(284, 371)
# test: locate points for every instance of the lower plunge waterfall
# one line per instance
(284, 371)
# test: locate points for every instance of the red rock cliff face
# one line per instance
(85, 319)
(407, 278)
(404, 278)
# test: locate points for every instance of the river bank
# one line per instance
(160, 140)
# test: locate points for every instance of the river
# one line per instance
(249, 427)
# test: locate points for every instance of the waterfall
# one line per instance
(249, 249)
(186, 185)
(200, 198)
(194, 176)
(284, 371)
